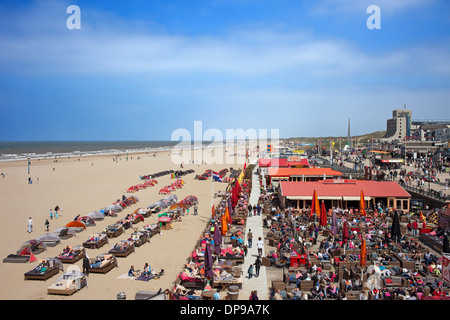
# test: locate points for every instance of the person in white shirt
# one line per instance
(30, 225)
(260, 246)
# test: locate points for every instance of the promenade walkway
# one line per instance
(255, 224)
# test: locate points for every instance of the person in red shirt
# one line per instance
(415, 226)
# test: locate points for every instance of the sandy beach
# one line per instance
(85, 185)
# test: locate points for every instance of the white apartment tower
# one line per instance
(399, 126)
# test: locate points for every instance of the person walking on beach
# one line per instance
(258, 264)
(51, 214)
(250, 271)
(260, 245)
(47, 224)
(249, 238)
(30, 225)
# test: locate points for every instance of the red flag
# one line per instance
(213, 211)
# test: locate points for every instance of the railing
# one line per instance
(428, 192)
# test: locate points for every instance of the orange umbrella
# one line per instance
(362, 204)
(315, 204)
(224, 225)
(178, 205)
(227, 215)
(363, 253)
(76, 224)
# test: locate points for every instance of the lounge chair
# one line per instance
(114, 230)
(102, 263)
(122, 249)
(45, 269)
(75, 254)
(139, 238)
(96, 241)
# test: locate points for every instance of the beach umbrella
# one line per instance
(315, 208)
(323, 215)
(178, 205)
(362, 204)
(395, 227)
(224, 225)
(333, 223)
(217, 241)
(227, 216)
(208, 262)
(344, 234)
(76, 224)
(363, 253)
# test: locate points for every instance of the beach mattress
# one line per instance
(150, 295)
(16, 258)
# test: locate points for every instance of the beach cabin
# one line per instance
(165, 222)
(344, 194)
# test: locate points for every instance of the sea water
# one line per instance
(21, 150)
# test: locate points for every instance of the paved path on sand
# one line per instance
(255, 224)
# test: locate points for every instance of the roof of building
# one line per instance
(341, 188)
(282, 162)
(307, 172)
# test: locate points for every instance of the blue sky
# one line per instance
(138, 70)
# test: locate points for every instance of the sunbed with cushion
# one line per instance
(96, 241)
(122, 249)
(102, 263)
(73, 255)
(139, 238)
(114, 230)
(45, 269)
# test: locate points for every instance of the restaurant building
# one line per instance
(344, 194)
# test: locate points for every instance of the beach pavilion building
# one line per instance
(276, 175)
(344, 194)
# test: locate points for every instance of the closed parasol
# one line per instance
(208, 262)
(395, 228)
(217, 240)
(323, 215)
(334, 229)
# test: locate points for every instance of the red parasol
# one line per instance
(323, 215)
(315, 208)
(344, 233)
